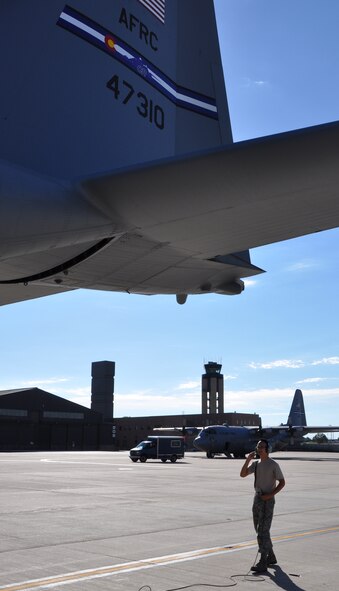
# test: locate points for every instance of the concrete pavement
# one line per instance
(96, 521)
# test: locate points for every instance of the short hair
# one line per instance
(266, 444)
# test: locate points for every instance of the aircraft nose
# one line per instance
(198, 443)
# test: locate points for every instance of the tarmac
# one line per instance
(95, 521)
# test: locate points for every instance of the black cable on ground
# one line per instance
(250, 578)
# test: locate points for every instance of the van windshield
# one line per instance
(144, 444)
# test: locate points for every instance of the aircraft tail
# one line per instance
(297, 416)
(93, 87)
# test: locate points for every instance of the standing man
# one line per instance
(267, 473)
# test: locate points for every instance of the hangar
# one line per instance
(33, 419)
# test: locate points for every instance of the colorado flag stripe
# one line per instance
(156, 7)
(87, 29)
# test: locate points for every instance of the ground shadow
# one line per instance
(284, 580)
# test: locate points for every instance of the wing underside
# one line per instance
(185, 225)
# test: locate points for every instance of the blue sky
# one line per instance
(281, 69)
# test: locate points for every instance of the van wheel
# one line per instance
(164, 460)
(173, 458)
(209, 454)
(143, 458)
(134, 459)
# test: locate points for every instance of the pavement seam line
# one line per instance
(105, 571)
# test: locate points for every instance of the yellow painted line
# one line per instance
(306, 533)
(111, 570)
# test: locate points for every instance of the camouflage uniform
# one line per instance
(262, 519)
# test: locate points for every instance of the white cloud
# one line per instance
(324, 392)
(250, 83)
(236, 399)
(250, 282)
(273, 405)
(311, 380)
(189, 385)
(302, 266)
(78, 395)
(42, 382)
(287, 363)
(277, 400)
(327, 361)
(148, 403)
(293, 363)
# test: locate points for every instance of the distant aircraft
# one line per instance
(117, 166)
(222, 439)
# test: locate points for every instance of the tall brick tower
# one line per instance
(103, 388)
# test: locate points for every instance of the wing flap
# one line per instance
(320, 429)
(131, 263)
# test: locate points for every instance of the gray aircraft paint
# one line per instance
(117, 166)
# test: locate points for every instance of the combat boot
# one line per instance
(271, 558)
(261, 566)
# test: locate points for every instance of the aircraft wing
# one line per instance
(268, 432)
(231, 199)
(182, 225)
(327, 429)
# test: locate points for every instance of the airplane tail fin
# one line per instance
(93, 87)
(297, 416)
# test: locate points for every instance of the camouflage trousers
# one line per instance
(262, 519)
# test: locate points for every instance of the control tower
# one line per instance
(212, 389)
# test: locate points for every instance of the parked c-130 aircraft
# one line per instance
(218, 439)
(117, 166)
